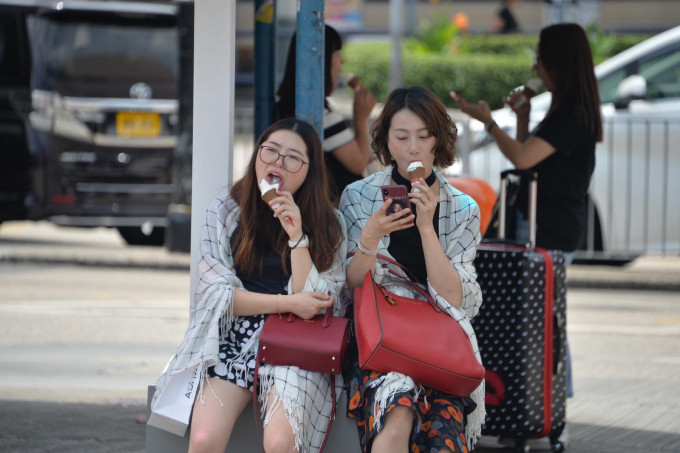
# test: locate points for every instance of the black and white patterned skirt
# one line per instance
(242, 372)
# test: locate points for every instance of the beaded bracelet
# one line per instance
(365, 251)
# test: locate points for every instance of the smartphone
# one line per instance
(459, 99)
(398, 195)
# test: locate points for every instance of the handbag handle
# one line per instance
(412, 284)
(324, 323)
(414, 287)
(396, 263)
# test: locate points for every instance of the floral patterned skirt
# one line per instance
(439, 421)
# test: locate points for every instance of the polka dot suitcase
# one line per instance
(521, 331)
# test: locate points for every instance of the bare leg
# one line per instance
(395, 434)
(278, 434)
(212, 423)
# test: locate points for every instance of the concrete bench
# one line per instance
(245, 437)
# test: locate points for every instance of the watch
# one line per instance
(303, 242)
(489, 125)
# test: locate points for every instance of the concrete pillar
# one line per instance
(214, 70)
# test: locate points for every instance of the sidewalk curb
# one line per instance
(615, 279)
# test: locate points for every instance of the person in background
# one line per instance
(347, 150)
(436, 240)
(561, 149)
(504, 21)
(257, 258)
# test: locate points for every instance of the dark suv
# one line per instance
(88, 113)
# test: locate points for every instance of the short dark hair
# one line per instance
(431, 110)
(565, 54)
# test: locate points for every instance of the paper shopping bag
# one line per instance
(173, 407)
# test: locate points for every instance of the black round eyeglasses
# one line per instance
(291, 163)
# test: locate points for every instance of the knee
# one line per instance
(202, 441)
(398, 426)
(278, 442)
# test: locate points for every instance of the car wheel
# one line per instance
(135, 236)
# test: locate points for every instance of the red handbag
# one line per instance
(413, 337)
(316, 344)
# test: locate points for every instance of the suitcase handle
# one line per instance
(561, 338)
(533, 192)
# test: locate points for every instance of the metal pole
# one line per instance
(396, 34)
(411, 16)
(309, 64)
(265, 33)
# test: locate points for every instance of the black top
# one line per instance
(271, 279)
(339, 176)
(510, 24)
(563, 180)
(406, 246)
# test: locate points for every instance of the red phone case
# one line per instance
(399, 196)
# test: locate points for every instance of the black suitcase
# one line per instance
(522, 339)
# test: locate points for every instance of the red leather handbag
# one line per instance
(414, 337)
(317, 344)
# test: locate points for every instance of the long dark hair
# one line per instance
(286, 91)
(259, 231)
(430, 109)
(564, 52)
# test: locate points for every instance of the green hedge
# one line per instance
(474, 76)
(477, 67)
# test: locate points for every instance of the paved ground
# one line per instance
(628, 398)
(42, 242)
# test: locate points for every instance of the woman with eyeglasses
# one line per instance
(561, 149)
(257, 258)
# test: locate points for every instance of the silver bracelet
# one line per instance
(364, 251)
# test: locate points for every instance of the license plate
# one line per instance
(136, 124)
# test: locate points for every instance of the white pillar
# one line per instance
(214, 69)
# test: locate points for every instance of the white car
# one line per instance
(636, 183)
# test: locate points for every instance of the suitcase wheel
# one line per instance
(521, 446)
(556, 446)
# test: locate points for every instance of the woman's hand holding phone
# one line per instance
(393, 215)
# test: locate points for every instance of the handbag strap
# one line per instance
(396, 263)
(292, 317)
(412, 284)
(333, 398)
(413, 287)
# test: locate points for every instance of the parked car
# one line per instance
(88, 113)
(636, 181)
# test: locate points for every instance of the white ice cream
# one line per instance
(413, 165)
(265, 186)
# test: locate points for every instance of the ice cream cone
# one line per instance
(533, 86)
(269, 193)
(351, 80)
(415, 171)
